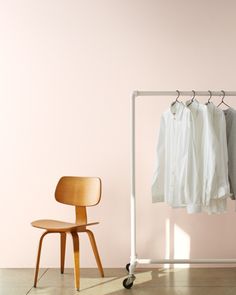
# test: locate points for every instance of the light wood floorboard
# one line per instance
(194, 281)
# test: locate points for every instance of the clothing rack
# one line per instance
(134, 260)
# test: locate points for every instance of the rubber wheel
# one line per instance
(127, 267)
(127, 286)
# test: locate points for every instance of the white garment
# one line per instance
(220, 184)
(200, 164)
(170, 181)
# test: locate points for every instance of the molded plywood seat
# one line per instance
(80, 192)
(56, 225)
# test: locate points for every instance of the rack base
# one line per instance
(130, 267)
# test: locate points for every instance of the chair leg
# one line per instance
(63, 250)
(76, 259)
(95, 251)
(38, 259)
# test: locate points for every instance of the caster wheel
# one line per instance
(127, 267)
(126, 284)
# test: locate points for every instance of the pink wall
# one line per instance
(67, 69)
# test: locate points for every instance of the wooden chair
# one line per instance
(80, 192)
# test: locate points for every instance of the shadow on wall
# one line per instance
(178, 242)
(175, 234)
(186, 236)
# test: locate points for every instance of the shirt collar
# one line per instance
(177, 109)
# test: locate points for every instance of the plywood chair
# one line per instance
(80, 192)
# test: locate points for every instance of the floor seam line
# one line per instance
(37, 281)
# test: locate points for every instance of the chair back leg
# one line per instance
(95, 251)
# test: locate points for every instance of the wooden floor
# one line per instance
(195, 281)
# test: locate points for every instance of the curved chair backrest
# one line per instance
(78, 191)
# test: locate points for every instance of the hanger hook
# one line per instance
(194, 94)
(192, 99)
(210, 96)
(223, 92)
(178, 94)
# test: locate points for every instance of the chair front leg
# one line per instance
(38, 258)
(76, 260)
(95, 251)
(63, 250)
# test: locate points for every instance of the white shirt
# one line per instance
(170, 181)
(220, 184)
(198, 160)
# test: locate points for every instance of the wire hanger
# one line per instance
(209, 99)
(222, 100)
(193, 98)
(176, 100)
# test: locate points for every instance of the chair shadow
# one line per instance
(145, 277)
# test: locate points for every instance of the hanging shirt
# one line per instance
(219, 186)
(230, 116)
(201, 160)
(170, 177)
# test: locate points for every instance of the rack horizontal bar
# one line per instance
(182, 93)
(186, 261)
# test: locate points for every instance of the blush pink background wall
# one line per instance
(67, 70)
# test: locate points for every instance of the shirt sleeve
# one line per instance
(158, 182)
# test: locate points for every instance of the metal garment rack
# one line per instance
(134, 260)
